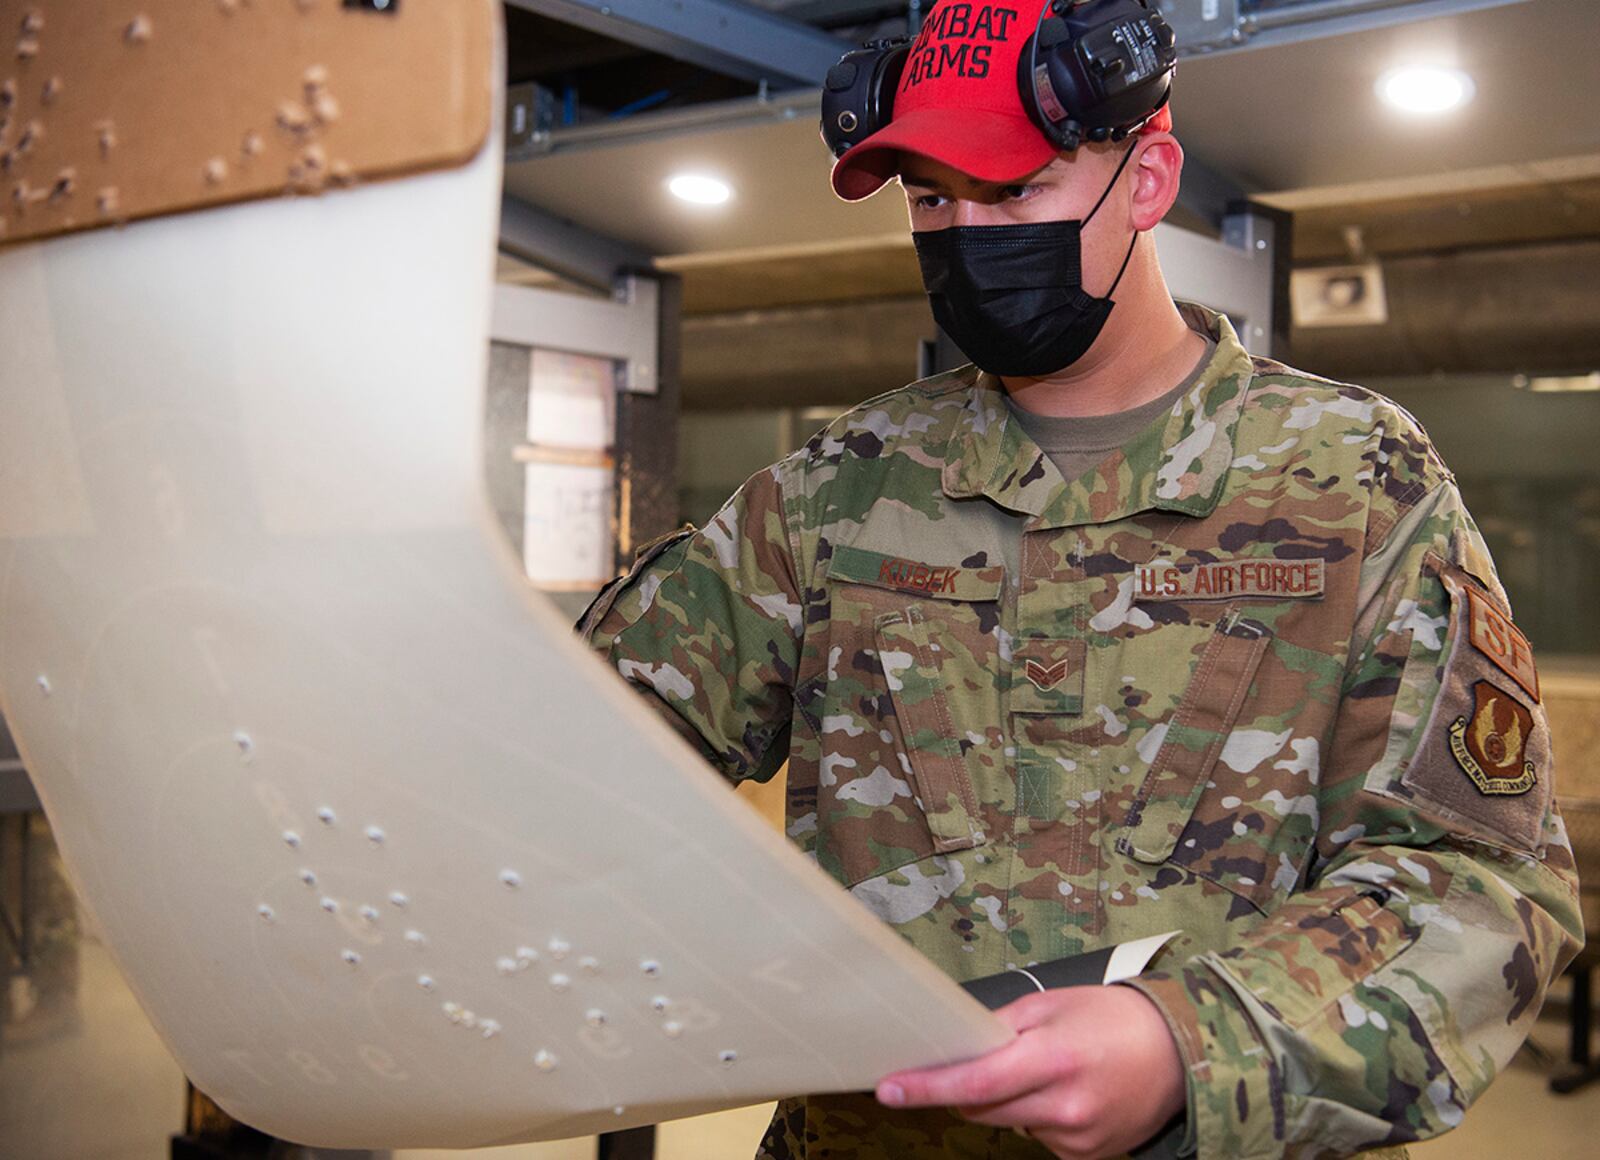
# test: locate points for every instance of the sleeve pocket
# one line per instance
(1482, 760)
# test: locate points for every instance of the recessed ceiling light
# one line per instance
(1554, 384)
(699, 189)
(1425, 89)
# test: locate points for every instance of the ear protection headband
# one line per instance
(1093, 70)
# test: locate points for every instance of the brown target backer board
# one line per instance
(116, 110)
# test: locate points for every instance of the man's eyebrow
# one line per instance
(922, 182)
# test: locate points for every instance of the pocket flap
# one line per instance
(915, 577)
(1199, 728)
(932, 749)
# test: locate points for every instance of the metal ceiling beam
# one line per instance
(1314, 19)
(846, 13)
(703, 118)
(724, 36)
(1216, 26)
(555, 244)
(1202, 29)
(622, 328)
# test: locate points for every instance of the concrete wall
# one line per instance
(505, 425)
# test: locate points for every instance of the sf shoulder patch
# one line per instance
(1491, 744)
(1502, 642)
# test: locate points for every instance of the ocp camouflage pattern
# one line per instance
(1008, 752)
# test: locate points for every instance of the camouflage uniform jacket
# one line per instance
(1253, 677)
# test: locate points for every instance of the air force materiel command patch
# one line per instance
(1226, 579)
(1492, 744)
(1497, 638)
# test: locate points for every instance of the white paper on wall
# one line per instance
(567, 542)
(571, 400)
(387, 857)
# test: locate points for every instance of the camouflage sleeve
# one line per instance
(1439, 903)
(707, 626)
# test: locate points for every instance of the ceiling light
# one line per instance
(1557, 384)
(698, 189)
(1425, 90)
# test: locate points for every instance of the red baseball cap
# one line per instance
(958, 103)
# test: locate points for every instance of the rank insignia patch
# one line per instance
(1045, 676)
(1492, 743)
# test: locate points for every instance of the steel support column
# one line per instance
(1244, 274)
(647, 446)
(1267, 235)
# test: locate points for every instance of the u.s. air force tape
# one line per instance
(1225, 579)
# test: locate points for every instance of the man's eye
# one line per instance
(1013, 192)
(929, 201)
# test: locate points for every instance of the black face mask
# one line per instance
(1011, 297)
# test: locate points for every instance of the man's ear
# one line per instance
(1158, 171)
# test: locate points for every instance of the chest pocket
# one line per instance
(1196, 735)
(912, 694)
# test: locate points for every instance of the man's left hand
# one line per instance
(1093, 1072)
